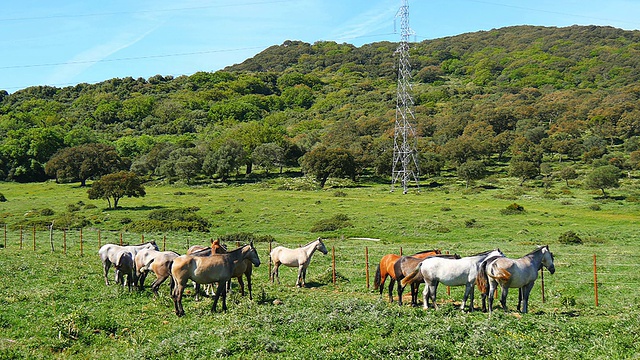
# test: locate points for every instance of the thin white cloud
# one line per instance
(377, 19)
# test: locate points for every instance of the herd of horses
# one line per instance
(216, 265)
(202, 265)
(488, 270)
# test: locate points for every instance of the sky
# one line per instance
(65, 42)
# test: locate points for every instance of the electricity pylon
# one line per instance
(405, 156)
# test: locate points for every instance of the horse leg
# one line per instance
(468, 293)
(156, 284)
(249, 286)
(274, 272)
(492, 289)
(106, 265)
(299, 281)
(414, 294)
(526, 290)
(176, 294)
(519, 299)
(432, 290)
(400, 291)
(241, 285)
(503, 297)
(392, 282)
(141, 279)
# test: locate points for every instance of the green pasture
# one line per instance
(55, 305)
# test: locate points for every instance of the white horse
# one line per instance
(300, 258)
(514, 273)
(451, 272)
(108, 254)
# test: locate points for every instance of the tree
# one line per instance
(268, 156)
(228, 157)
(471, 170)
(83, 162)
(603, 177)
(567, 173)
(116, 186)
(523, 169)
(323, 162)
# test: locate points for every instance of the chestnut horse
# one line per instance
(208, 269)
(386, 268)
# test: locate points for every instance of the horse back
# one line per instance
(387, 265)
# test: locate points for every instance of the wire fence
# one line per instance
(590, 277)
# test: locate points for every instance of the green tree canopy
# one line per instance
(116, 186)
(83, 162)
(603, 177)
(323, 162)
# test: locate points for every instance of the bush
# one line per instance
(172, 220)
(245, 238)
(513, 209)
(336, 222)
(570, 238)
(46, 212)
(2, 198)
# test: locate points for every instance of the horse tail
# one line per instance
(482, 279)
(377, 279)
(409, 278)
(146, 266)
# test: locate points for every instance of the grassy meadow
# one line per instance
(57, 306)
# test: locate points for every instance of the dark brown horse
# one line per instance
(386, 268)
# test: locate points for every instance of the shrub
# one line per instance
(245, 238)
(172, 220)
(594, 207)
(570, 238)
(513, 209)
(46, 212)
(336, 222)
(340, 194)
(2, 198)
(73, 207)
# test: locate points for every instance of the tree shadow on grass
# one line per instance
(136, 208)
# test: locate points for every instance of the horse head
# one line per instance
(152, 245)
(251, 254)
(547, 259)
(320, 246)
(217, 248)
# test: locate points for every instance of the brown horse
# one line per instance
(157, 261)
(199, 250)
(386, 268)
(209, 269)
(406, 265)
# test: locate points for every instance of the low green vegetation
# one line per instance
(55, 305)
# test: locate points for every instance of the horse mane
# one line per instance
(437, 251)
(537, 250)
(310, 242)
(484, 252)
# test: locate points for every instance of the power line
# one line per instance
(65, 16)
(128, 58)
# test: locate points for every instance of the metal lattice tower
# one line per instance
(405, 156)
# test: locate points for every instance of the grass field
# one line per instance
(57, 306)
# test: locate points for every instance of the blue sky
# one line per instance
(61, 43)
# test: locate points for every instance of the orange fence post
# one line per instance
(81, 242)
(366, 263)
(5, 236)
(595, 278)
(333, 261)
(64, 241)
(20, 237)
(164, 242)
(120, 239)
(270, 259)
(99, 240)
(34, 238)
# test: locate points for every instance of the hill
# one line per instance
(520, 94)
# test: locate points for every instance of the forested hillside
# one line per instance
(523, 95)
